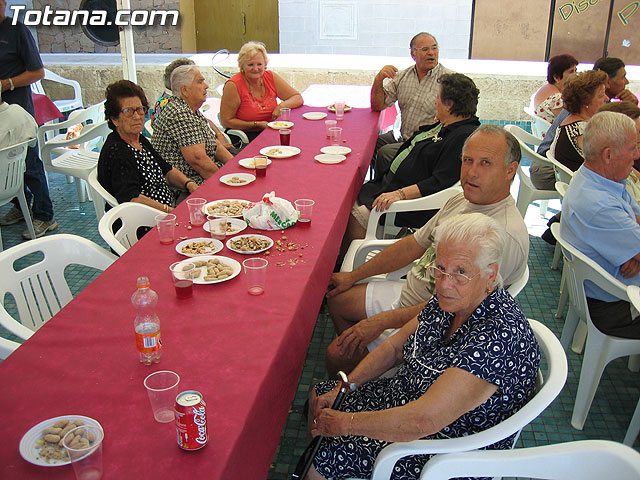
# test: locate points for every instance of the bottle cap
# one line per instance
(143, 282)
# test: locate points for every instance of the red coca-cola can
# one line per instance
(191, 420)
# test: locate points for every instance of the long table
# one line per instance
(244, 353)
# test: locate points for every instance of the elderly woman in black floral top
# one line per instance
(129, 168)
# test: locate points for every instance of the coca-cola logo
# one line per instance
(200, 419)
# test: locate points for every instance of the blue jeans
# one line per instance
(36, 188)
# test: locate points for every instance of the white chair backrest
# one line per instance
(525, 139)
(586, 460)
(148, 127)
(68, 104)
(561, 188)
(7, 347)
(549, 388)
(563, 173)
(40, 290)
(516, 287)
(12, 167)
(132, 215)
(97, 132)
(100, 194)
(92, 115)
(539, 126)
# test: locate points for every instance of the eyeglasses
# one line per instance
(459, 279)
(129, 111)
(426, 49)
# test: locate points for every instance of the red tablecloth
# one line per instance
(243, 353)
(45, 109)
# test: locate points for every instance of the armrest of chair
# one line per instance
(14, 326)
(54, 77)
(366, 248)
(240, 134)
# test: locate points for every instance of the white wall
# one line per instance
(373, 27)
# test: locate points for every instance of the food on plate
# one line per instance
(197, 248)
(280, 124)
(50, 444)
(227, 207)
(332, 107)
(213, 269)
(274, 151)
(231, 228)
(235, 179)
(250, 243)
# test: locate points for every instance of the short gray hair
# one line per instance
(606, 129)
(183, 76)
(178, 62)
(513, 147)
(421, 34)
(484, 233)
(250, 50)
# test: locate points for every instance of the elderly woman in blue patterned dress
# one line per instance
(129, 168)
(467, 361)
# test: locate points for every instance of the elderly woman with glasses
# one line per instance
(468, 361)
(129, 168)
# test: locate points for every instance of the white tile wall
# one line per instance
(384, 27)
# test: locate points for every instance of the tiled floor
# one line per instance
(608, 418)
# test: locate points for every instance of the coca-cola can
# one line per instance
(191, 420)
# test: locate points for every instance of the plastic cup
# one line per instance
(328, 124)
(285, 136)
(335, 134)
(218, 227)
(285, 114)
(339, 106)
(196, 216)
(84, 447)
(260, 164)
(305, 207)
(166, 225)
(162, 388)
(255, 271)
(182, 275)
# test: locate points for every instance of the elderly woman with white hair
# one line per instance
(250, 97)
(181, 134)
(468, 361)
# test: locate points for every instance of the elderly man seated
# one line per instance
(600, 218)
(366, 312)
(181, 135)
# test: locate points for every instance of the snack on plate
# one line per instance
(197, 248)
(250, 243)
(50, 445)
(235, 179)
(227, 207)
(230, 228)
(213, 269)
(281, 124)
(274, 151)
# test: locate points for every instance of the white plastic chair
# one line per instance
(99, 194)
(77, 163)
(539, 125)
(7, 347)
(634, 427)
(132, 215)
(548, 390)
(527, 192)
(586, 460)
(41, 290)
(148, 127)
(86, 116)
(563, 173)
(12, 168)
(600, 348)
(63, 105)
(561, 188)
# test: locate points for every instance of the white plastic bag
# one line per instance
(272, 213)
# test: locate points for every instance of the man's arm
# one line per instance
(377, 90)
(22, 80)
(196, 156)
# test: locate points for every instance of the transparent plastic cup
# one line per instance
(218, 227)
(84, 447)
(255, 271)
(260, 164)
(328, 124)
(182, 275)
(305, 207)
(339, 106)
(196, 215)
(162, 388)
(166, 225)
(335, 135)
(285, 114)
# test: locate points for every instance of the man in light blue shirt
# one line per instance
(600, 218)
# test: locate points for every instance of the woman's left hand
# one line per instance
(385, 200)
(276, 111)
(330, 423)
(192, 186)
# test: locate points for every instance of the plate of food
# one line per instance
(40, 444)
(336, 150)
(249, 244)
(214, 269)
(234, 226)
(314, 115)
(279, 125)
(248, 163)
(196, 247)
(230, 207)
(279, 151)
(330, 158)
(237, 179)
(332, 108)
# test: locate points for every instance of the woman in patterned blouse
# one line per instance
(468, 361)
(547, 101)
(129, 168)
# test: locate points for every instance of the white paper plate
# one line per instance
(248, 163)
(249, 252)
(330, 158)
(336, 150)
(279, 151)
(216, 245)
(228, 179)
(279, 125)
(226, 260)
(237, 225)
(314, 115)
(205, 207)
(28, 448)
(332, 108)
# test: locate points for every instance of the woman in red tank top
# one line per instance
(250, 97)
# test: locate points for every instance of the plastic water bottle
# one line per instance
(147, 323)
